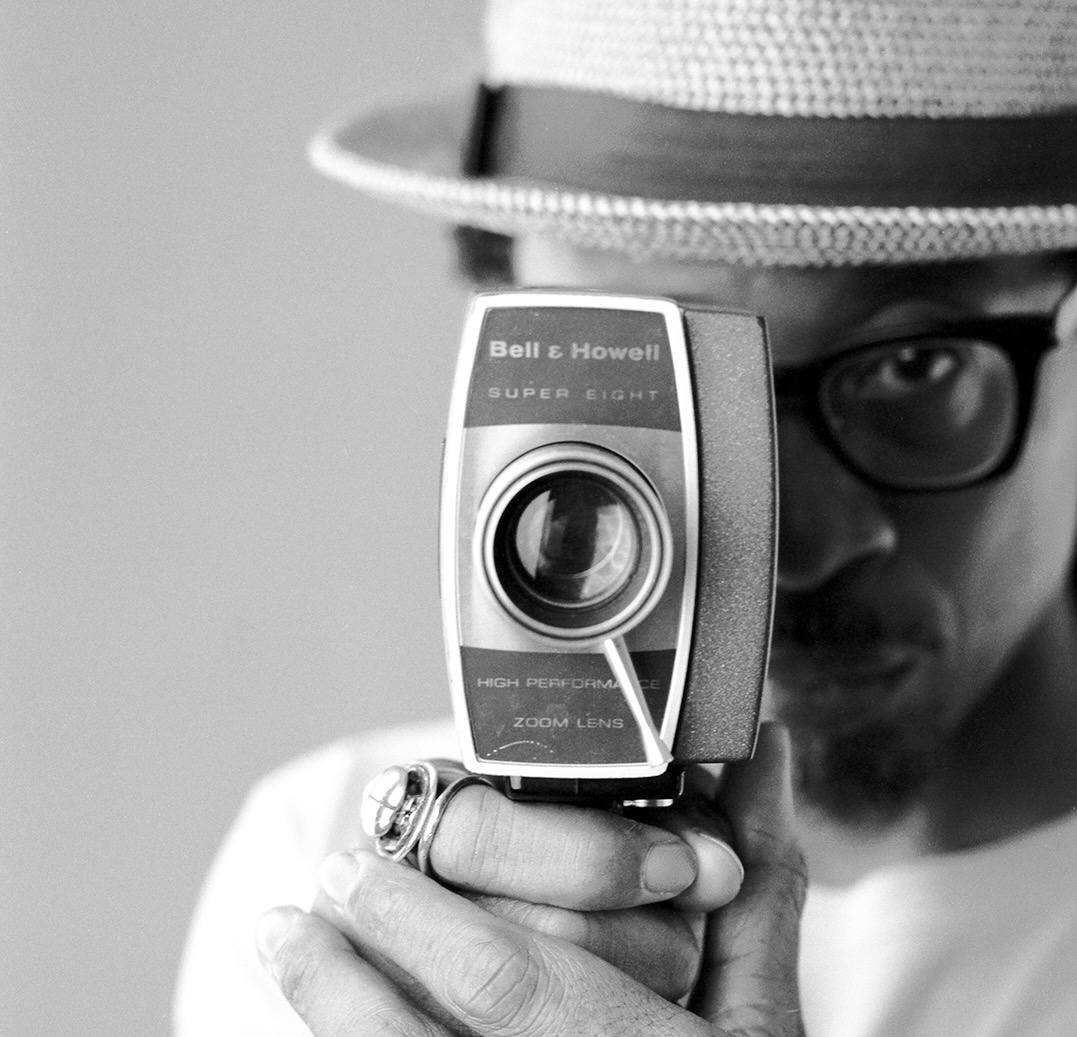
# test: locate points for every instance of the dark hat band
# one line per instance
(602, 143)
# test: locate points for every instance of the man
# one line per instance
(892, 186)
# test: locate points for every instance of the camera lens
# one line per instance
(570, 541)
(574, 542)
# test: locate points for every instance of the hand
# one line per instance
(627, 891)
(432, 962)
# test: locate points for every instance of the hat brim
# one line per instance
(411, 155)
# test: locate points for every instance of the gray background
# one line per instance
(223, 387)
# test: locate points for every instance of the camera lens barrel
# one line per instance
(575, 542)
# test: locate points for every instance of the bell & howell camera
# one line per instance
(608, 514)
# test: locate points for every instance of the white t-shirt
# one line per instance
(976, 944)
(981, 943)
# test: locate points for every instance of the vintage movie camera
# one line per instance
(608, 517)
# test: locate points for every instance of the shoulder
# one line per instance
(290, 821)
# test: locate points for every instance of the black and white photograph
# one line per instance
(539, 518)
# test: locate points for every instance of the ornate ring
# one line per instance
(403, 806)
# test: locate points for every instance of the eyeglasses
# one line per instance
(926, 407)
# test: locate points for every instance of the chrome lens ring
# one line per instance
(622, 602)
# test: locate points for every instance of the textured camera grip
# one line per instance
(738, 510)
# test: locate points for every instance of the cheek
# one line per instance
(1045, 481)
(1002, 552)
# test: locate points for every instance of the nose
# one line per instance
(828, 518)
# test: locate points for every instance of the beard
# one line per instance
(867, 779)
(868, 716)
(867, 695)
(894, 690)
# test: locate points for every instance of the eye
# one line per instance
(902, 372)
(917, 413)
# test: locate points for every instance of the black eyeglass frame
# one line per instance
(1025, 338)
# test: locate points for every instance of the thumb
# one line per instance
(748, 979)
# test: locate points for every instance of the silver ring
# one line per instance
(403, 806)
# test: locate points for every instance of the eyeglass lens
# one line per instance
(926, 413)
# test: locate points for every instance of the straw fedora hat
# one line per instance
(762, 132)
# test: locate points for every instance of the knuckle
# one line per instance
(301, 978)
(797, 873)
(387, 908)
(608, 862)
(497, 983)
(469, 847)
(381, 1020)
(310, 980)
(781, 861)
(789, 876)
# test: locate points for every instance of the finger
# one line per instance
(332, 989)
(565, 856)
(493, 976)
(655, 945)
(750, 951)
(719, 872)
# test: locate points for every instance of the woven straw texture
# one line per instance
(749, 235)
(797, 57)
(930, 59)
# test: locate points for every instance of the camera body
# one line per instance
(608, 515)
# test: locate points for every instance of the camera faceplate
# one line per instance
(570, 533)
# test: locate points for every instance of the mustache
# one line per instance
(827, 620)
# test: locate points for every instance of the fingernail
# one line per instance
(272, 930)
(338, 876)
(668, 868)
(720, 862)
